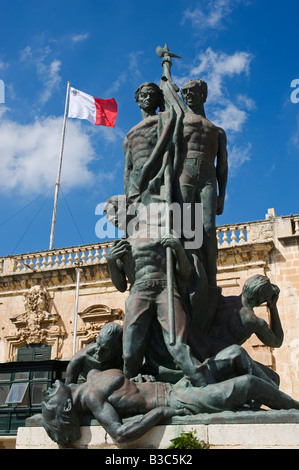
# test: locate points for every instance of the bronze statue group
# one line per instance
(179, 350)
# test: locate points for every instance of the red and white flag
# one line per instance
(97, 111)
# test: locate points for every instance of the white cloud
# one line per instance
(80, 37)
(237, 155)
(223, 108)
(30, 155)
(247, 102)
(230, 118)
(25, 54)
(294, 140)
(47, 68)
(131, 72)
(3, 110)
(214, 67)
(3, 65)
(212, 14)
(49, 75)
(110, 134)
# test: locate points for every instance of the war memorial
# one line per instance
(171, 357)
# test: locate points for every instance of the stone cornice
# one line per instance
(53, 279)
(244, 256)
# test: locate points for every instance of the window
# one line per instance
(35, 352)
(16, 394)
(22, 375)
(24, 388)
(21, 388)
(37, 393)
(4, 390)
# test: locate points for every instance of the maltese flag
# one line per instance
(97, 111)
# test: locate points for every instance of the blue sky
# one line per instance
(245, 50)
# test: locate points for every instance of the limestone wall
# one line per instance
(269, 248)
(98, 303)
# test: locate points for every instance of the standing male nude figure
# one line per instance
(201, 145)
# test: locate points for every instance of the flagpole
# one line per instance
(57, 185)
(78, 271)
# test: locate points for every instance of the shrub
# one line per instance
(188, 440)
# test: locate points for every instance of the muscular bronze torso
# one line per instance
(200, 138)
(138, 146)
(149, 259)
(126, 397)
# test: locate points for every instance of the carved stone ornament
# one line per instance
(36, 325)
(94, 317)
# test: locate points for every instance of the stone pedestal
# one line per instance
(252, 430)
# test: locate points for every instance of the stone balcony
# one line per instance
(71, 257)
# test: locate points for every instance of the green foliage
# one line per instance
(188, 441)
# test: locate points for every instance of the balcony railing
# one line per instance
(85, 255)
(56, 259)
(230, 235)
(92, 254)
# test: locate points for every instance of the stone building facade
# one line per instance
(269, 247)
(38, 293)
